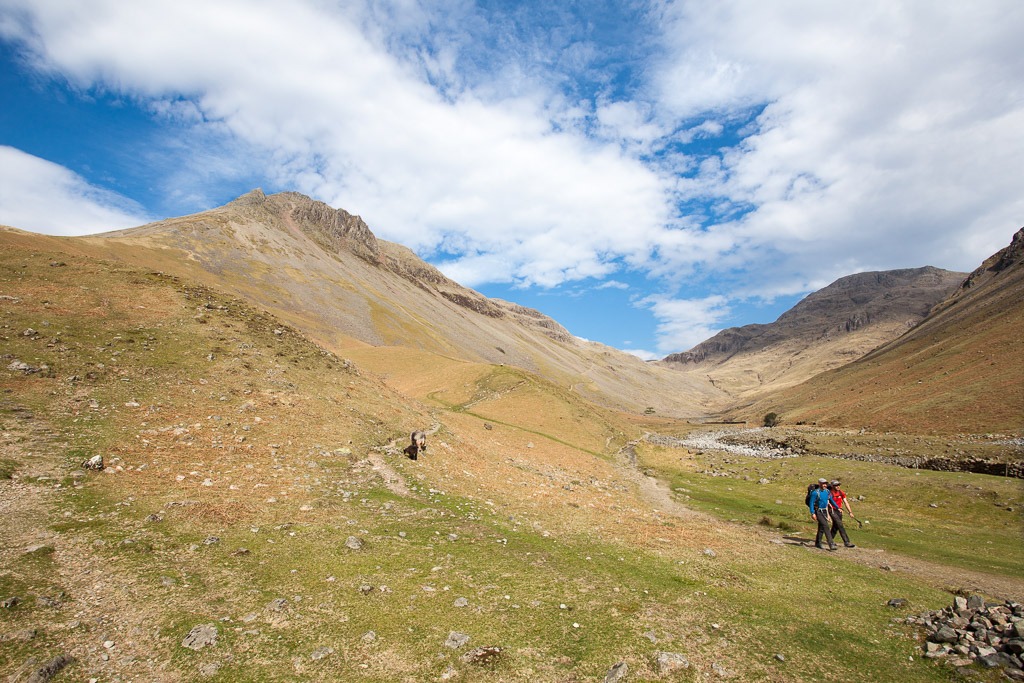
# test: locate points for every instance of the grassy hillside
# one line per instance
(254, 485)
(960, 371)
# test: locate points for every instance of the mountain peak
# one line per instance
(333, 229)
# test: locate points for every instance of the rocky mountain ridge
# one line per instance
(961, 367)
(828, 328)
(323, 270)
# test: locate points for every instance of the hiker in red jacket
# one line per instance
(835, 510)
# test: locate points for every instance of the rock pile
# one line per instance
(973, 631)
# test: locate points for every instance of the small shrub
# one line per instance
(772, 419)
(7, 468)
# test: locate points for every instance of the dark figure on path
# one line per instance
(820, 500)
(836, 510)
(418, 445)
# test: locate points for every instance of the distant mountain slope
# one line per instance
(323, 271)
(827, 329)
(960, 370)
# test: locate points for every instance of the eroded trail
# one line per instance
(953, 579)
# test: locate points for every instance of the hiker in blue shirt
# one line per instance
(818, 501)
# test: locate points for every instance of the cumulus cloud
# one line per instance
(40, 196)
(684, 323)
(889, 134)
(346, 121)
(757, 149)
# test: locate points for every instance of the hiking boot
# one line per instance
(832, 547)
(850, 545)
(819, 546)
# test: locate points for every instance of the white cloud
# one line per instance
(645, 355)
(891, 135)
(41, 196)
(350, 124)
(880, 134)
(684, 323)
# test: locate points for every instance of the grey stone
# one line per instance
(897, 602)
(994, 660)
(354, 543)
(668, 662)
(461, 602)
(93, 463)
(456, 640)
(708, 552)
(50, 669)
(616, 673)
(944, 635)
(321, 653)
(975, 602)
(369, 637)
(720, 670)
(200, 636)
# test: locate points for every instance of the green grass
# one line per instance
(970, 527)
(813, 609)
(8, 467)
(821, 613)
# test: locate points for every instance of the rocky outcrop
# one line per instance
(973, 631)
(333, 229)
(1000, 261)
(533, 318)
(848, 305)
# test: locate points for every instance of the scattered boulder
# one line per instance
(973, 631)
(897, 602)
(50, 669)
(456, 640)
(93, 463)
(668, 662)
(354, 543)
(321, 653)
(19, 366)
(616, 673)
(200, 636)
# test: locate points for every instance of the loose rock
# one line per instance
(616, 673)
(671, 661)
(200, 636)
(456, 640)
(50, 669)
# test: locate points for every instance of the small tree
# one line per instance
(772, 419)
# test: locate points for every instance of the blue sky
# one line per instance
(646, 173)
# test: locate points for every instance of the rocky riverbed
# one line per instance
(771, 443)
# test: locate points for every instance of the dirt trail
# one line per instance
(953, 579)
